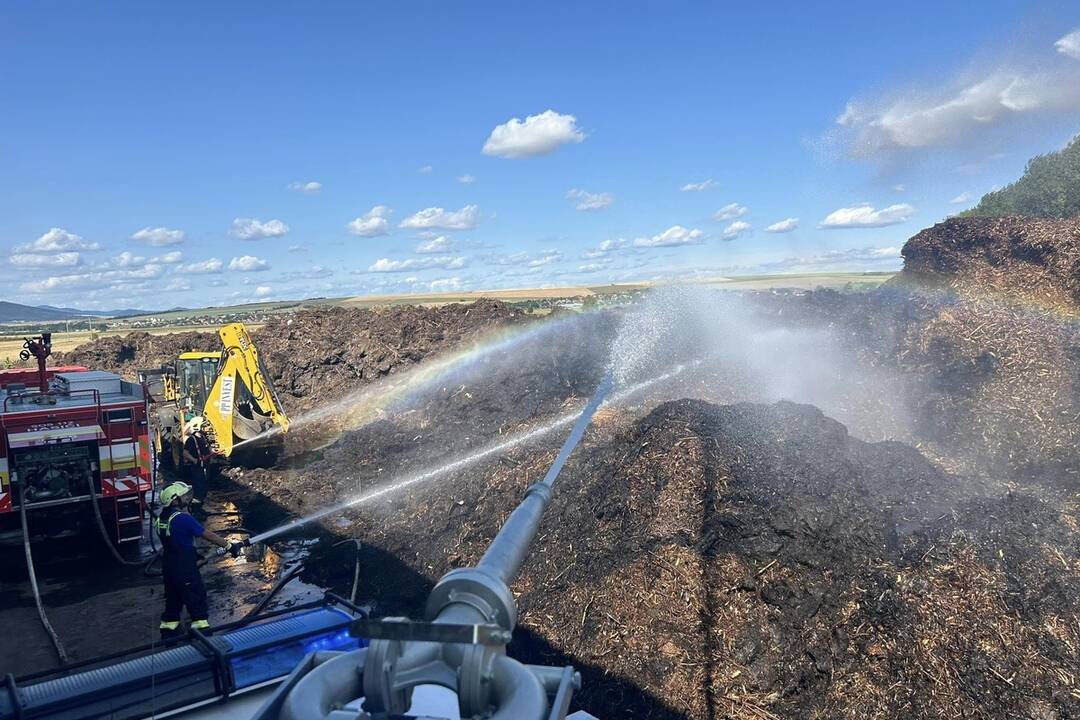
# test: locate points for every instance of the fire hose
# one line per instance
(101, 526)
(33, 578)
(471, 615)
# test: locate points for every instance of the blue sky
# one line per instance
(154, 155)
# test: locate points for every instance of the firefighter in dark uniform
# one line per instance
(179, 561)
(197, 459)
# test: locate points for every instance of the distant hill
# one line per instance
(75, 312)
(122, 312)
(1049, 188)
(13, 312)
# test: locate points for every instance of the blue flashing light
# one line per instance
(253, 668)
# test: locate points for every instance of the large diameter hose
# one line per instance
(101, 526)
(33, 577)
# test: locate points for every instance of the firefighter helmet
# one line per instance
(173, 491)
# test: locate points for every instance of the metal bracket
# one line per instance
(224, 682)
(404, 630)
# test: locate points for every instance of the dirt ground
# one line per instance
(705, 556)
(99, 607)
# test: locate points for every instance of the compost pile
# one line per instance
(744, 561)
(315, 355)
(1002, 348)
(985, 321)
(136, 351)
(1026, 260)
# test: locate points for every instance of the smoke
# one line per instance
(744, 355)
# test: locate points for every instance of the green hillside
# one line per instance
(1049, 188)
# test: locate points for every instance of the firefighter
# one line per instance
(197, 459)
(179, 562)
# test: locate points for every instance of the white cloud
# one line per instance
(591, 267)
(372, 223)
(262, 291)
(158, 236)
(674, 235)
(425, 170)
(605, 248)
(97, 279)
(899, 187)
(962, 198)
(31, 260)
(439, 244)
(584, 200)
(865, 215)
(202, 267)
(699, 186)
(297, 248)
(536, 135)
(1070, 45)
(466, 180)
(880, 258)
(384, 265)
(730, 212)
(307, 188)
(255, 229)
(248, 263)
(783, 226)
(962, 110)
(446, 284)
(128, 259)
(736, 229)
(545, 258)
(57, 240)
(436, 218)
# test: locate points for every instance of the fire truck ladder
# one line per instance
(116, 501)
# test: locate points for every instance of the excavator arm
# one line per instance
(242, 404)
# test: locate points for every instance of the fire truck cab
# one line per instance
(86, 430)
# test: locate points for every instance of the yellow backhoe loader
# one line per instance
(229, 390)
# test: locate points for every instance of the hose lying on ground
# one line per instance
(356, 566)
(294, 572)
(284, 580)
(101, 526)
(33, 578)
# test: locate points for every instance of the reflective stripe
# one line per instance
(200, 624)
(169, 624)
(167, 526)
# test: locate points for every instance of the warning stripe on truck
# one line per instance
(121, 485)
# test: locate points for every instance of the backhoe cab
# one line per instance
(228, 389)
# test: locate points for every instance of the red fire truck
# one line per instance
(63, 432)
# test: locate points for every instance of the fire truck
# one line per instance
(70, 436)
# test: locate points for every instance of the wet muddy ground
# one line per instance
(99, 607)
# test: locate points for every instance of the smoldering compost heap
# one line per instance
(315, 355)
(745, 560)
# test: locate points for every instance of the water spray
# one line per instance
(467, 460)
(362, 405)
(471, 615)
